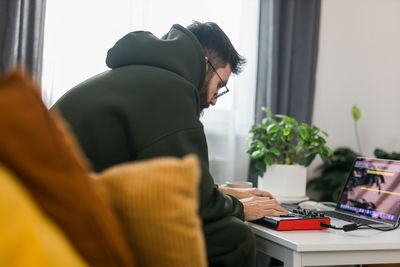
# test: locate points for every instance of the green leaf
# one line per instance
(303, 132)
(356, 113)
(257, 154)
(267, 110)
(324, 150)
(315, 130)
(268, 159)
(305, 126)
(260, 145)
(283, 117)
(321, 140)
(273, 128)
(264, 120)
(318, 140)
(307, 160)
(259, 166)
(255, 129)
(275, 151)
(330, 151)
(286, 131)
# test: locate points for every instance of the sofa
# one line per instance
(55, 211)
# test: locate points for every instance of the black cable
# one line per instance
(354, 226)
(380, 229)
(350, 227)
(346, 228)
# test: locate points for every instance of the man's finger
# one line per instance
(263, 193)
(273, 212)
(271, 204)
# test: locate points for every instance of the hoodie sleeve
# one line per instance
(213, 203)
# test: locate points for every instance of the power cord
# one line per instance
(346, 228)
(380, 229)
(354, 226)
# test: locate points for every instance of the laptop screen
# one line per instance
(373, 189)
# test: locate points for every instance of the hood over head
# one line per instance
(178, 51)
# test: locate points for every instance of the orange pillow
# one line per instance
(157, 205)
(38, 148)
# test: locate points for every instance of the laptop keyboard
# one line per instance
(348, 218)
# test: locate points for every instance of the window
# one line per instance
(78, 35)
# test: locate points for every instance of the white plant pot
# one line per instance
(284, 181)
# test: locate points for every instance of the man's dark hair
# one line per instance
(217, 46)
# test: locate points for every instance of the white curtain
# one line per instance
(79, 33)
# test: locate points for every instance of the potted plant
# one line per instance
(280, 150)
(333, 173)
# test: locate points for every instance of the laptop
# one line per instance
(371, 194)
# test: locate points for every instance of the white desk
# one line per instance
(328, 247)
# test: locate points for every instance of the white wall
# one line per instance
(359, 63)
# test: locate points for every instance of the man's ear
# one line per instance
(206, 58)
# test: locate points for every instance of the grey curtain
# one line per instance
(21, 35)
(288, 49)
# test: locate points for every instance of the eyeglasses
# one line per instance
(224, 84)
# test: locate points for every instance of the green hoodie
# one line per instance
(147, 106)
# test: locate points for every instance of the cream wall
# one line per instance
(359, 63)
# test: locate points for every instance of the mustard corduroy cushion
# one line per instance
(27, 236)
(39, 148)
(157, 205)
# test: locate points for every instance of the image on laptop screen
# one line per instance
(373, 189)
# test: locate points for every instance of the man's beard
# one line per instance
(203, 95)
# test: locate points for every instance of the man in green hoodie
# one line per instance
(148, 105)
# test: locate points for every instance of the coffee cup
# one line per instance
(238, 184)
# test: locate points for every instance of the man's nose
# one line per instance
(213, 101)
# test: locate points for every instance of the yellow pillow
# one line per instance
(39, 148)
(27, 236)
(156, 202)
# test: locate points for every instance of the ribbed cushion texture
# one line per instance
(28, 237)
(157, 205)
(39, 149)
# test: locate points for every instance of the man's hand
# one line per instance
(241, 193)
(258, 207)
